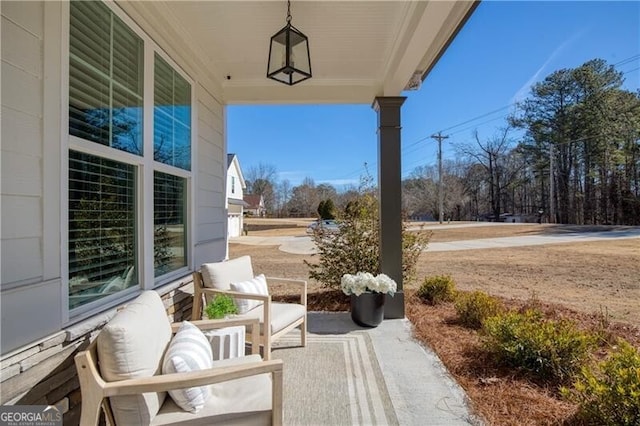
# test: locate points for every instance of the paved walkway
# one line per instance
(304, 244)
(415, 384)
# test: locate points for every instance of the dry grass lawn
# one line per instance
(584, 276)
(593, 283)
(587, 276)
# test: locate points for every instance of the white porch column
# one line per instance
(389, 197)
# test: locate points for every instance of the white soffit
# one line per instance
(359, 49)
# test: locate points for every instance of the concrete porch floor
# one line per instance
(412, 385)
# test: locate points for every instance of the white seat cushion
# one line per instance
(245, 401)
(220, 275)
(189, 350)
(131, 346)
(282, 315)
(257, 285)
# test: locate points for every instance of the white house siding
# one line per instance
(38, 339)
(30, 286)
(21, 143)
(235, 195)
(212, 165)
(238, 192)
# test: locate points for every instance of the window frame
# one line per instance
(145, 166)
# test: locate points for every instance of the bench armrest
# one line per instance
(237, 294)
(301, 284)
(210, 376)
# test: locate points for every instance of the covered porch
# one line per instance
(210, 54)
(361, 52)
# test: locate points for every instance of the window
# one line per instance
(171, 117)
(107, 164)
(102, 228)
(233, 184)
(105, 78)
(169, 225)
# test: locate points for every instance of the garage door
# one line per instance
(234, 225)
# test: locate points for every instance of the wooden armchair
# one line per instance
(120, 371)
(217, 278)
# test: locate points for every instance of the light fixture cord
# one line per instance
(288, 11)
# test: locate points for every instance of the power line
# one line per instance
(422, 139)
(478, 117)
(627, 60)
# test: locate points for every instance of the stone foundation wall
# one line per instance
(44, 372)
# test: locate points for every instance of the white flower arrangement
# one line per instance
(365, 282)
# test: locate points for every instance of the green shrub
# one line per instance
(437, 289)
(326, 209)
(609, 394)
(220, 306)
(548, 349)
(474, 308)
(355, 247)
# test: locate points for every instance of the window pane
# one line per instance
(172, 116)
(169, 250)
(102, 228)
(105, 78)
(126, 120)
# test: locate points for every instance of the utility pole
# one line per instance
(439, 138)
(552, 195)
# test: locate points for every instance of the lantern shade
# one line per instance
(289, 60)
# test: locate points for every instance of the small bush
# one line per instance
(609, 394)
(355, 247)
(474, 308)
(548, 349)
(221, 306)
(437, 289)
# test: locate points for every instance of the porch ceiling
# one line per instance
(359, 49)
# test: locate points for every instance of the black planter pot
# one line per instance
(367, 310)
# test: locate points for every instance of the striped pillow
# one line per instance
(258, 285)
(189, 350)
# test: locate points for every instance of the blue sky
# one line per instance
(503, 49)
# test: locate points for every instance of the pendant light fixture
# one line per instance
(289, 60)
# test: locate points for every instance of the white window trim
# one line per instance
(145, 167)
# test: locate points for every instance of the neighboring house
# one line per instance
(114, 151)
(255, 205)
(235, 196)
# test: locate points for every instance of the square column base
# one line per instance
(394, 306)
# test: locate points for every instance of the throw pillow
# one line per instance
(257, 285)
(189, 350)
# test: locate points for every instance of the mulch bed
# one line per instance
(322, 300)
(499, 394)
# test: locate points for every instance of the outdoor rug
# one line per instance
(334, 380)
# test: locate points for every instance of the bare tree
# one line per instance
(304, 199)
(262, 180)
(283, 195)
(491, 154)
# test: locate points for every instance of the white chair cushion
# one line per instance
(257, 285)
(282, 315)
(220, 275)
(245, 401)
(131, 346)
(189, 350)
